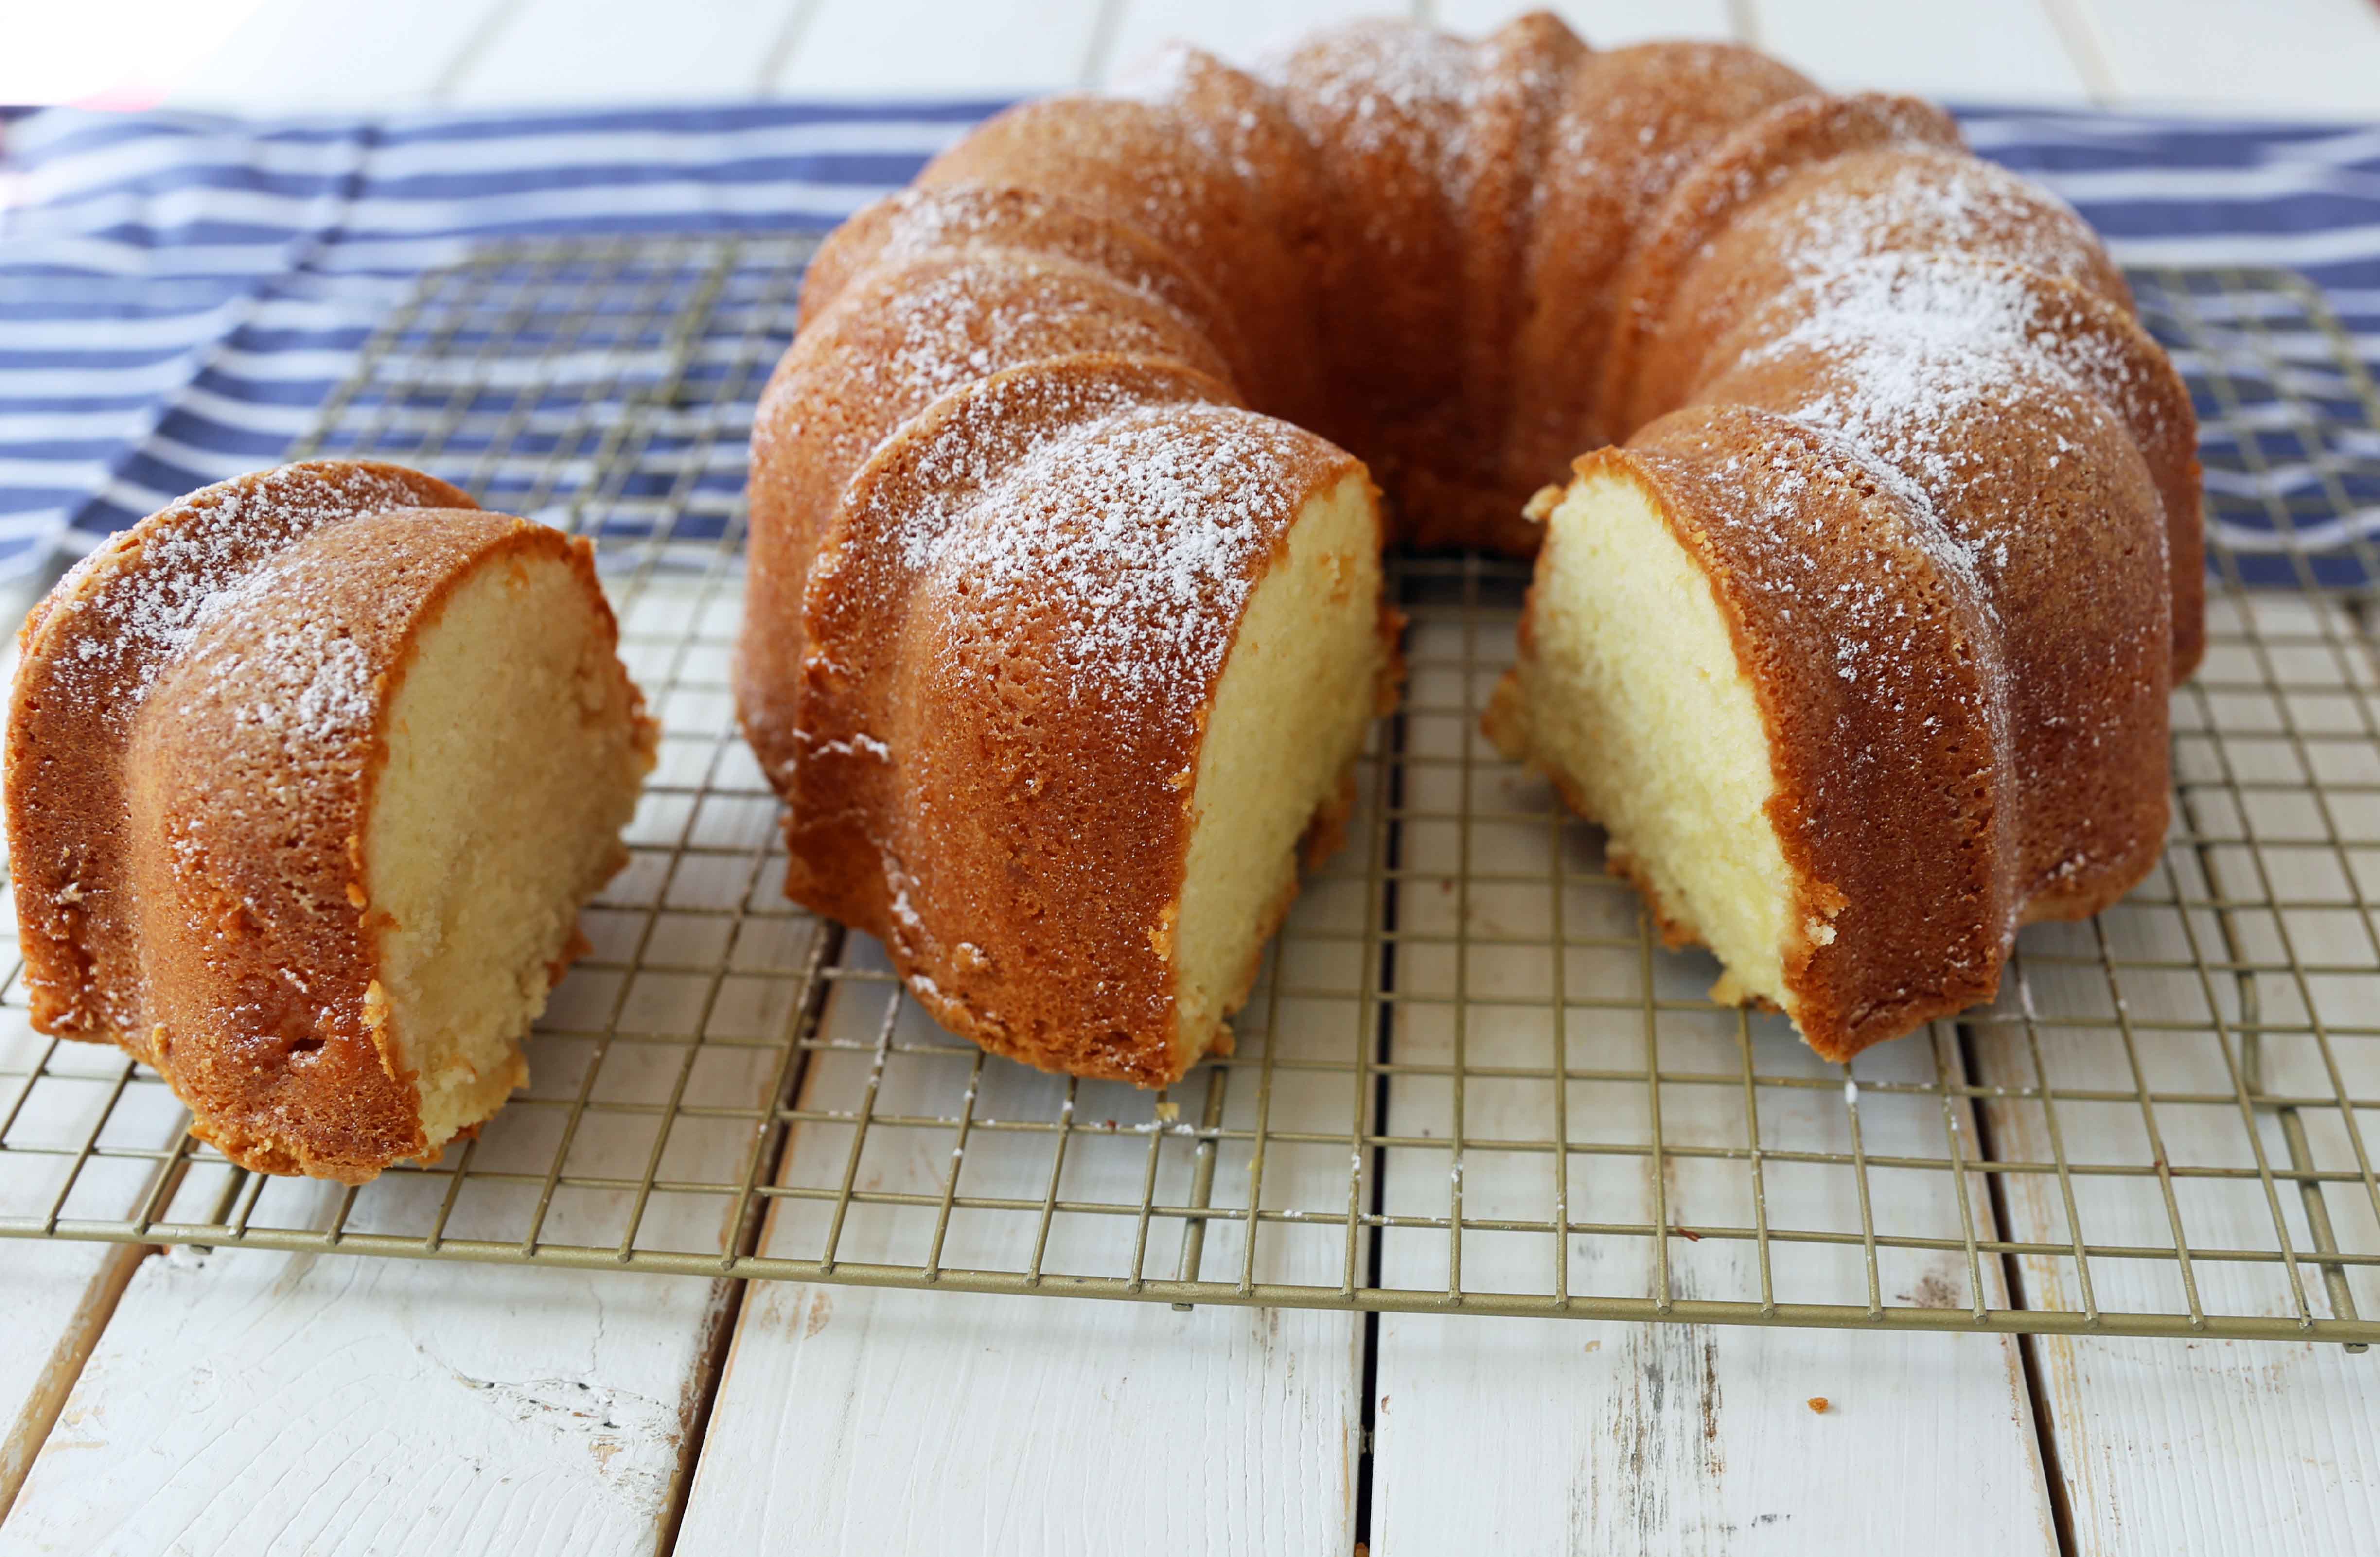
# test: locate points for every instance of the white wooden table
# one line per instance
(251, 1403)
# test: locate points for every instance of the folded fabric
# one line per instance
(178, 294)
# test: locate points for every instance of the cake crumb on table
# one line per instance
(1818, 1404)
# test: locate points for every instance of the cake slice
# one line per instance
(1090, 652)
(1832, 828)
(308, 776)
(1632, 696)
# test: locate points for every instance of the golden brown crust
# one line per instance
(192, 750)
(1391, 249)
(72, 708)
(884, 348)
(963, 217)
(1326, 831)
(1148, 166)
(2065, 529)
(999, 809)
(1635, 121)
(1676, 932)
(1892, 804)
(1896, 197)
(1751, 159)
(1525, 73)
(1861, 187)
(862, 589)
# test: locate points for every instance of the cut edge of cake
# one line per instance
(1631, 694)
(236, 734)
(1312, 663)
(477, 853)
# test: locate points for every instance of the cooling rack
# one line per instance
(1469, 1079)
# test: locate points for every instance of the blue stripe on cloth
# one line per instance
(178, 293)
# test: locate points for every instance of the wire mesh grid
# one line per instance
(1469, 1077)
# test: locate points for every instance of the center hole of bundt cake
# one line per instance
(478, 849)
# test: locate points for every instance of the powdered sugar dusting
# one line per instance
(1145, 530)
(1934, 199)
(983, 433)
(1372, 81)
(1918, 349)
(1026, 223)
(197, 563)
(1224, 112)
(945, 332)
(1878, 640)
(319, 682)
(1162, 75)
(952, 328)
(1114, 507)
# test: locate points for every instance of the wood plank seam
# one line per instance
(817, 1374)
(1743, 21)
(1394, 746)
(1975, 1120)
(74, 1348)
(1097, 52)
(475, 44)
(1613, 1437)
(799, 18)
(2079, 35)
(2045, 1428)
(2131, 1484)
(744, 1238)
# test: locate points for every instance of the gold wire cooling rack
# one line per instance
(1469, 1079)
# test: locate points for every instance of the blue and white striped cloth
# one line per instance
(178, 294)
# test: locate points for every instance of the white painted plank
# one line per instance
(2205, 1446)
(1580, 1437)
(324, 55)
(883, 1421)
(921, 48)
(597, 51)
(57, 1302)
(2295, 57)
(898, 1422)
(2300, 55)
(883, 1424)
(492, 1409)
(1976, 51)
(1551, 1435)
(246, 1402)
(116, 53)
(1242, 30)
(1606, 24)
(1238, 30)
(55, 1296)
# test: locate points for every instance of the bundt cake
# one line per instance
(1856, 633)
(308, 777)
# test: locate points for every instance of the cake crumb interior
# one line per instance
(479, 851)
(1640, 705)
(1297, 693)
